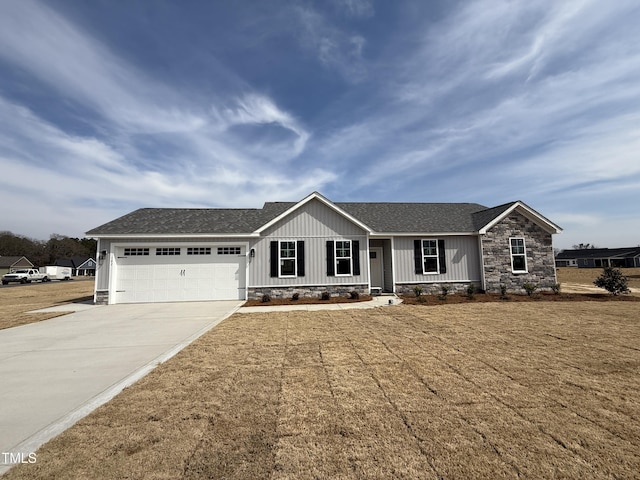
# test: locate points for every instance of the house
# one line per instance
(80, 266)
(599, 257)
(11, 264)
(316, 245)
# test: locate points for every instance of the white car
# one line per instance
(24, 276)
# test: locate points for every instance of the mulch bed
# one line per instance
(305, 301)
(430, 300)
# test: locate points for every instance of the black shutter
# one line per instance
(417, 256)
(300, 254)
(331, 264)
(274, 259)
(355, 254)
(441, 258)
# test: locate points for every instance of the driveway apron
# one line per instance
(54, 372)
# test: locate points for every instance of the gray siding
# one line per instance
(314, 223)
(462, 257)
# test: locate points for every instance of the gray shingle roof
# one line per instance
(380, 217)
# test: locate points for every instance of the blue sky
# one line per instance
(109, 106)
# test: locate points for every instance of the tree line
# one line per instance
(41, 252)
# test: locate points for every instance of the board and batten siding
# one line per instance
(315, 224)
(461, 254)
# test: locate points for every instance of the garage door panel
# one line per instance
(172, 278)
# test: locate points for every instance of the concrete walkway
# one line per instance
(55, 372)
(378, 301)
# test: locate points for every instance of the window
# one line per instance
(343, 257)
(168, 251)
(134, 252)
(229, 250)
(199, 251)
(518, 255)
(287, 259)
(430, 256)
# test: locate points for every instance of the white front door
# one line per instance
(375, 262)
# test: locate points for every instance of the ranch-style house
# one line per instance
(316, 245)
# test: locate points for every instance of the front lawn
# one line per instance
(476, 390)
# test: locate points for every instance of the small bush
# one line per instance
(417, 290)
(555, 288)
(325, 296)
(471, 291)
(444, 291)
(265, 298)
(295, 296)
(354, 295)
(612, 281)
(503, 292)
(530, 288)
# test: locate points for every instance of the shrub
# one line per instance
(612, 281)
(471, 291)
(417, 290)
(530, 288)
(265, 298)
(325, 296)
(354, 295)
(555, 288)
(503, 292)
(295, 296)
(444, 292)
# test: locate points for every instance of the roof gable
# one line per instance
(304, 201)
(490, 217)
(10, 261)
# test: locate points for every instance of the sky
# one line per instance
(108, 106)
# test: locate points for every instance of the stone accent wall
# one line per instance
(102, 297)
(306, 291)
(434, 288)
(497, 255)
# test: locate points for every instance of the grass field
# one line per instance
(586, 276)
(483, 390)
(15, 301)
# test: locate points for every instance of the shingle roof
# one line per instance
(9, 261)
(599, 253)
(380, 217)
(414, 217)
(181, 221)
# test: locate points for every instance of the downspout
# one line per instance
(482, 279)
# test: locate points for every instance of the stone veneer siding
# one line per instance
(497, 255)
(102, 297)
(256, 293)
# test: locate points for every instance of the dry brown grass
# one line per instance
(15, 301)
(491, 390)
(586, 276)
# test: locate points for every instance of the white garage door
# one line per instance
(179, 274)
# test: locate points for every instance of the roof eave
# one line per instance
(170, 235)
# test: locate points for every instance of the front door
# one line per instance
(375, 262)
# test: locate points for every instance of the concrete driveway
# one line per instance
(55, 372)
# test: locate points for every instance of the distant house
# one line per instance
(11, 264)
(80, 266)
(315, 246)
(599, 258)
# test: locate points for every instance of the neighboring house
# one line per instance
(316, 245)
(80, 266)
(11, 264)
(599, 257)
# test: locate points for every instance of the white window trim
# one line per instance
(437, 256)
(336, 258)
(294, 258)
(511, 254)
